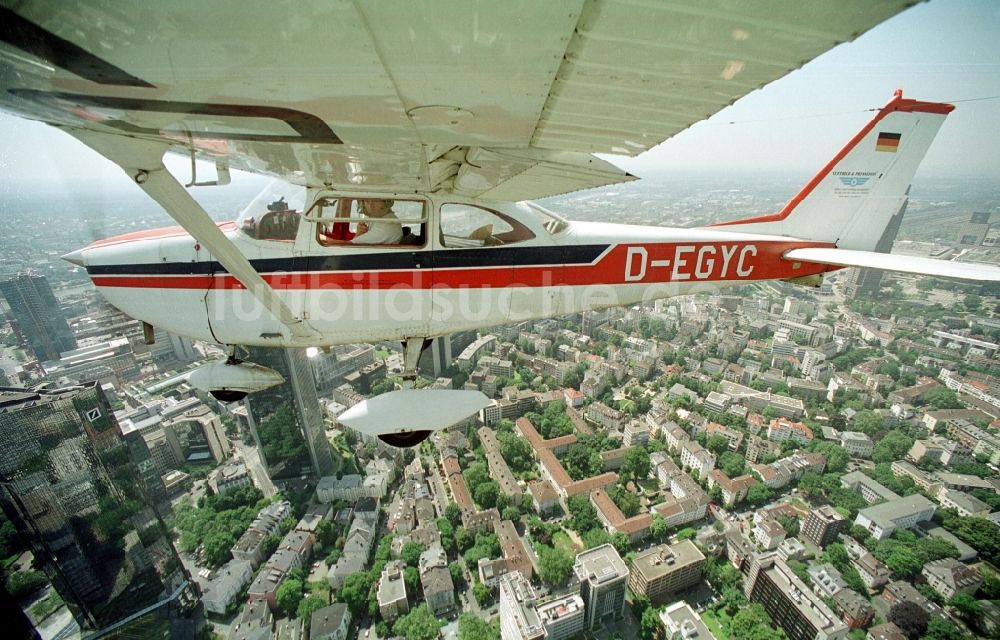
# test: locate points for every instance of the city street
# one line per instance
(437, 487)
(251, 458)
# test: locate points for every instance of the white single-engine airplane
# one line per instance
(449, 115)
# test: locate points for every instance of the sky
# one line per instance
(942, 51)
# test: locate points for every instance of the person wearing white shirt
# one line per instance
(383, 229)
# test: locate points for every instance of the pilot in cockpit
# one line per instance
(383, 228)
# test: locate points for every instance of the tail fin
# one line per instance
(856, 196)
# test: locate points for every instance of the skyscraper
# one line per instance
(823, 526)
(37, 315)
(70, 486)
(287, 420)
(603, 578)
(866, 283)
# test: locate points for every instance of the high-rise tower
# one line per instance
(36, 313)
(69, 485)
(287, 420)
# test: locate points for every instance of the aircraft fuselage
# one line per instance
(362, 293)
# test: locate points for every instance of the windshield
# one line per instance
(275, 213)
(553, 222)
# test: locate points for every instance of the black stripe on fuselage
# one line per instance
(391, 260)
(31, 38)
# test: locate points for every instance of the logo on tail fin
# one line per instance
(854, 181)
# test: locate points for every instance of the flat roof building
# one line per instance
(664, 570)
(603, 578)
(790, 604)
(680, 622)
(823, 526)
(518, 618)
(902, 513)
(563, 617)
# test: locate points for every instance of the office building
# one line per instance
(287, 421)
(603, 579)
(663, 570)
(902, 513)
(563, 617)
(681, 622)
(823, 526)
(518, 618)
(438, 357)
(171, 350)
(790, 604)
(866, 283)
(37, 319)
(69, 485)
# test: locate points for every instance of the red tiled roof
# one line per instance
(614, 516)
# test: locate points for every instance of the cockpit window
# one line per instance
(274, 214)
(369, 221)
(466, 225)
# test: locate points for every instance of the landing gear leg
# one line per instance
(412, 349)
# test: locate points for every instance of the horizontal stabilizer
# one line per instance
(413, 410)
(893, 262)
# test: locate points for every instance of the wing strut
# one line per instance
(142, 160)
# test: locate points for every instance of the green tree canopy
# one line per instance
(584, 514)
(649, 624)
(288, 596)
(717, 445)
(308, 607)
(869, 423)
(516, 452)
(354, 593)
(635, 466)
(627, 501)
(410, 553)
(940, 629)
(892, 446)
(759, 494)
(554, 565)
(418, 624)
(909, 617)
(487, 494)
(942, 398)
(472, 627)
(453, 513)
(753, 623)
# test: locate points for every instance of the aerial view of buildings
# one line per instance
(770, 461)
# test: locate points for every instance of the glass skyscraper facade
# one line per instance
(37, 316)
(72, 488)
(287, 420)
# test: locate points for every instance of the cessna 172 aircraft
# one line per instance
(451, 115)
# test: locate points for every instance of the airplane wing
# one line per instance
(504, 100)
(978, 272)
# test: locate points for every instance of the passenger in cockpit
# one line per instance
(383, 228)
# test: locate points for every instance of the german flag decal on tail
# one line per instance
(887, 142)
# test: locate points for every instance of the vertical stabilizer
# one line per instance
(863, 190)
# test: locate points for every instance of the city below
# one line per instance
(765, 462)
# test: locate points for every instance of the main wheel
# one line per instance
(404, 439)
(227, 395)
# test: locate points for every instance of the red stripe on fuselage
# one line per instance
(152, 234)
(625, 264)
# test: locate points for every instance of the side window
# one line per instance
(279, 222)
(369, 221)
(466, 225)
